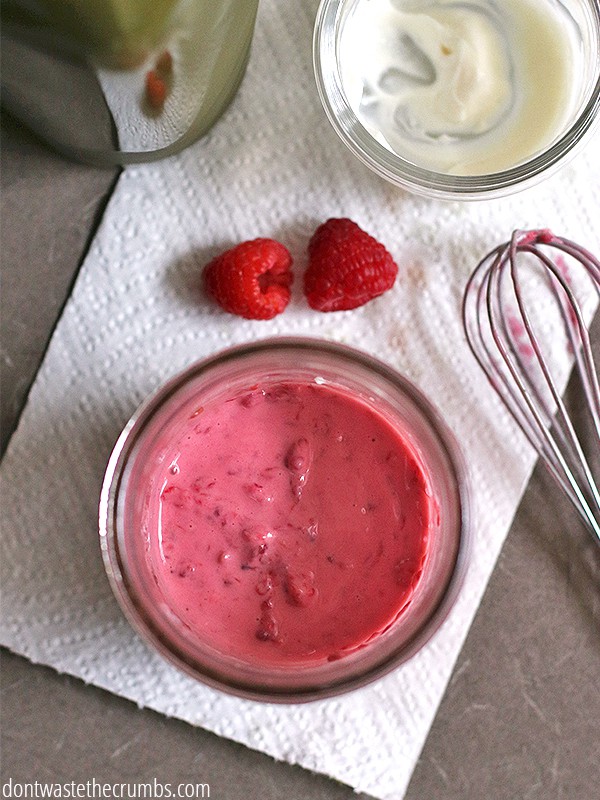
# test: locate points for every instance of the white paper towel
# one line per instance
(271, 167)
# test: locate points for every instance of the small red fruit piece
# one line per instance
(252, 279)
(164, 64)
(346, 267)
(156, 90)
(300, 588)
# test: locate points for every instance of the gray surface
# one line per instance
(33, 81)
(521, 717)
(48, 209)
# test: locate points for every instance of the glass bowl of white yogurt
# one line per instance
(460, 100)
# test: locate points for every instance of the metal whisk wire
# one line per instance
(502, 336)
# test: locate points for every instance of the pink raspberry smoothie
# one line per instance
(289, 524)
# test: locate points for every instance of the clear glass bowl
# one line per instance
(408, 173)
(136, 463)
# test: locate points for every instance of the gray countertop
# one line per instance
(521, 716)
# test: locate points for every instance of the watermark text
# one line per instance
(149, 790)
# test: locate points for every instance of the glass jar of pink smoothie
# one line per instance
(286, 521)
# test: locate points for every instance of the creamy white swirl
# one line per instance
(460, 87)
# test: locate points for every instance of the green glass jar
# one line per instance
(123, 81)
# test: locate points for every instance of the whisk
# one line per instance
(505, 334)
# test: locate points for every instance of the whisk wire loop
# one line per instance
(502, 333)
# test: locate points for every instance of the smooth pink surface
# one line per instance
(290, 525)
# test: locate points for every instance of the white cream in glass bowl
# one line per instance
(460, 99)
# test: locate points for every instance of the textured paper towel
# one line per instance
(271, 167)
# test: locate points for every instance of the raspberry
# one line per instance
(252, 279)
(347, 267)
(164, 64)
(267, 629)
(156, 90)
(298, 461)
(300, 588)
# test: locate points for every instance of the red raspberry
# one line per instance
(156, 90)
(164, 64)
(346, 267)
(300, 588)
(252, 279)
